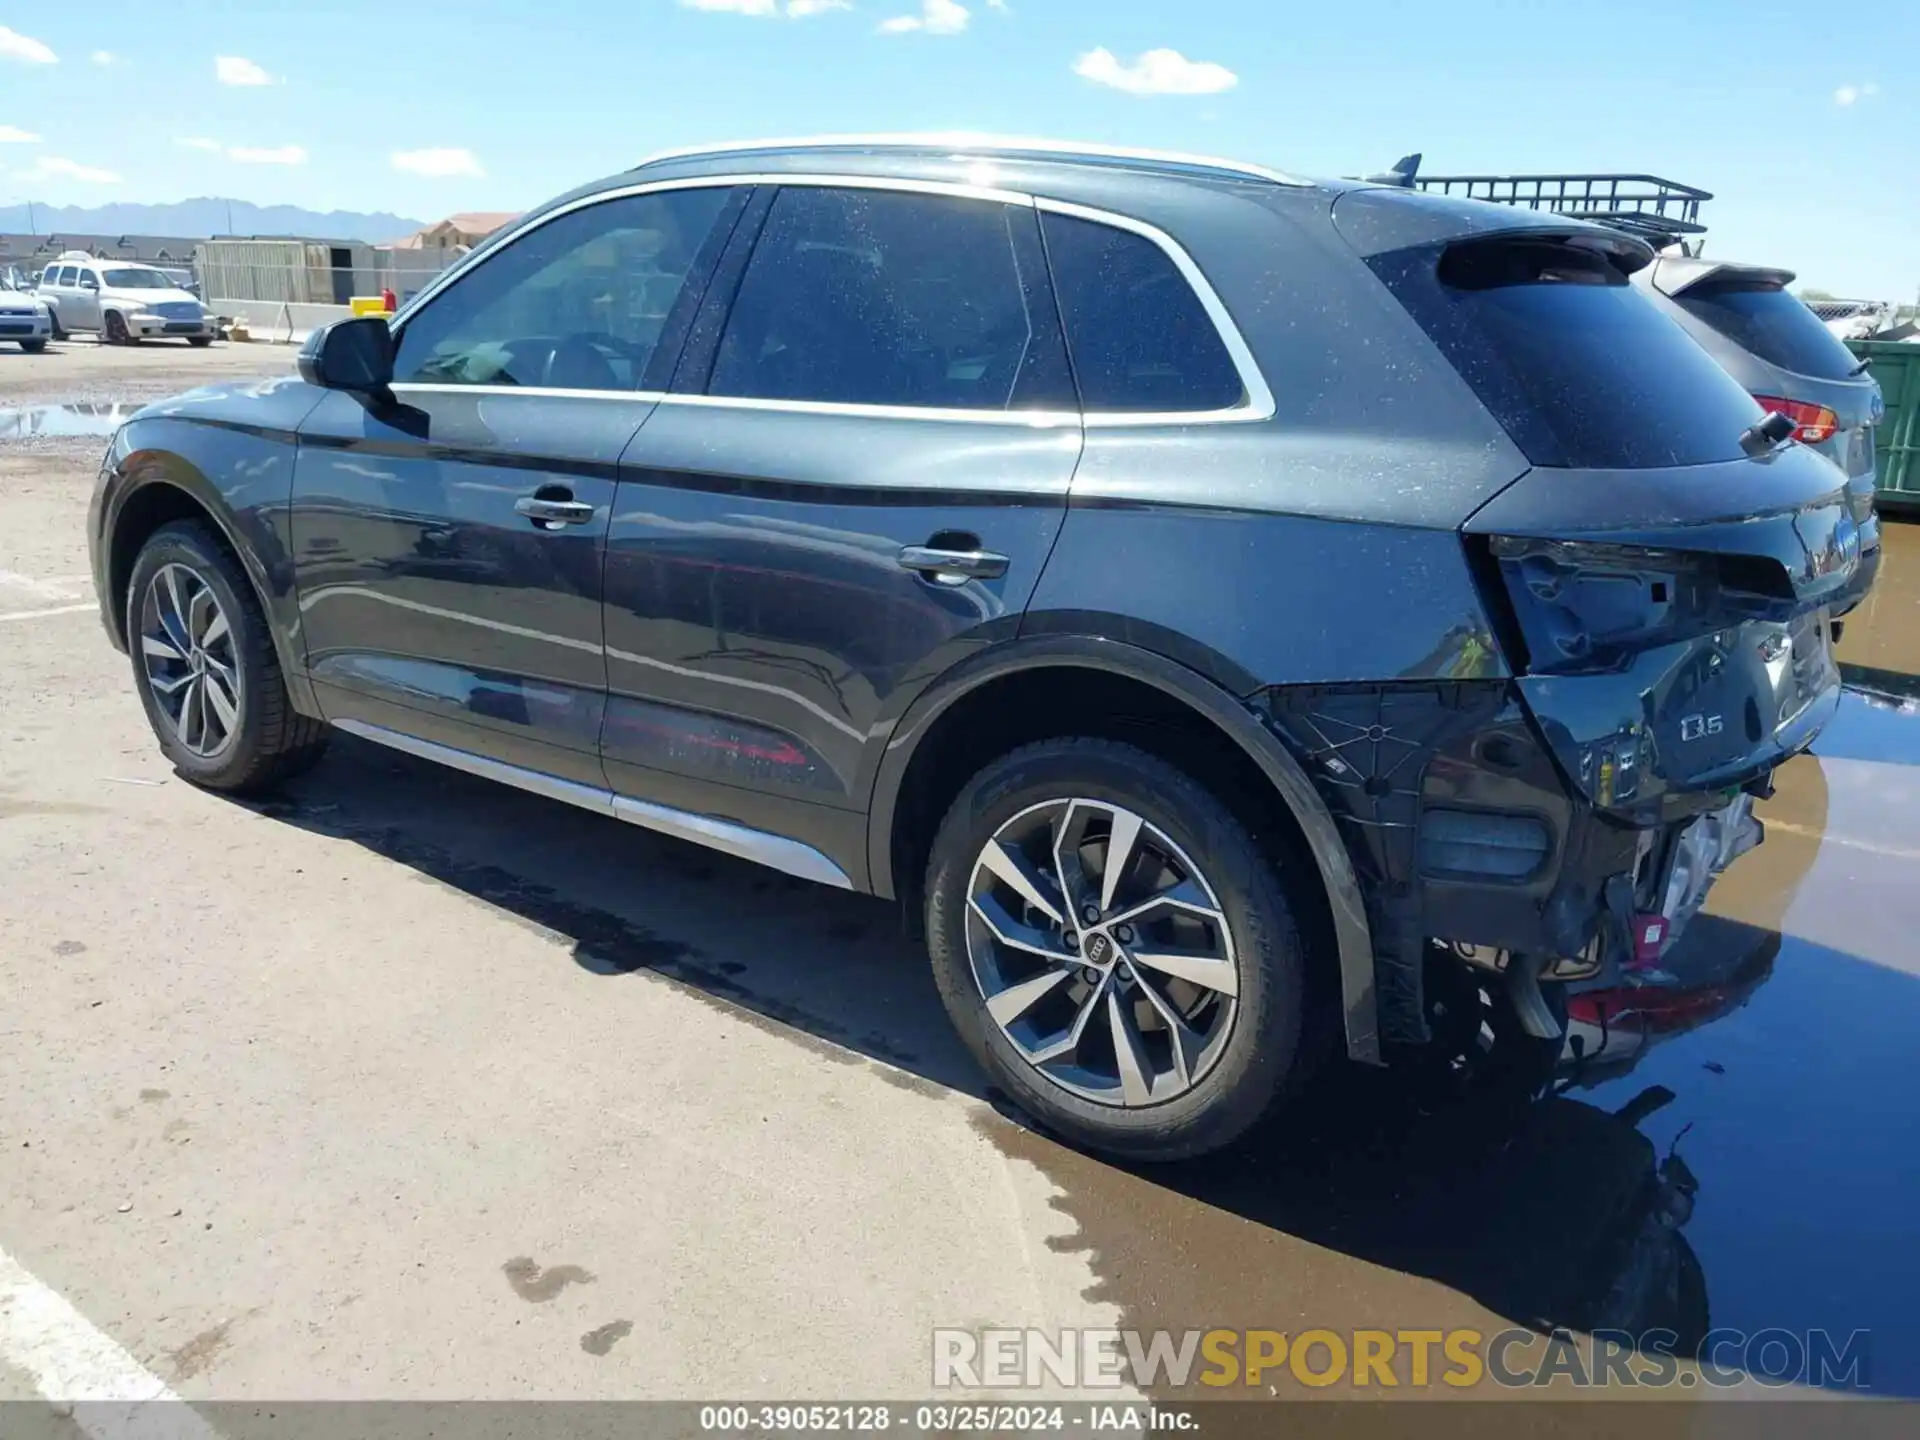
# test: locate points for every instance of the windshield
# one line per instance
(139, 278)
(1780, 329)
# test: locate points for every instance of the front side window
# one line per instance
(1139, 337)
(876, 297)
(578, 303)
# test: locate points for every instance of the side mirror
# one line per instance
(87, 282)
(354, 355)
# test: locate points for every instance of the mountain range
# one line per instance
(206, 216)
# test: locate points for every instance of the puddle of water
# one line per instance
(1883, 634)
(47, 421)
(1741, 1149)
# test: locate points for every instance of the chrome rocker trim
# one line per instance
(777, 852)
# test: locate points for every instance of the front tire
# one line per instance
(1153, 1008)
(206, 669)
(33, 347)
(199, 342)
(116, 332)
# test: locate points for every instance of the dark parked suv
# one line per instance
(1234, 613)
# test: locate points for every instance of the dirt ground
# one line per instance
(402, 1085)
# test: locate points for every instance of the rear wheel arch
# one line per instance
(1059, 686)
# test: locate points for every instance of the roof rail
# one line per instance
(973, 141)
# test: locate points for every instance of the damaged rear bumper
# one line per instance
(1466, 829)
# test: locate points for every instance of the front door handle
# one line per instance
(550, 513)
(953, 567)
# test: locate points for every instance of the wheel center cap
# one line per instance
(197, 661)
(1099, 947)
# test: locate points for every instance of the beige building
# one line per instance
(457, 233)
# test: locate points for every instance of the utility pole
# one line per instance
(30, 229)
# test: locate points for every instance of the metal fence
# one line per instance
(282, 274)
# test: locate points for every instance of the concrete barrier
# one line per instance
(279, 320)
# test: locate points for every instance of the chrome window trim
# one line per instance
(1258, 405)
(763, 847)
(545, 392)
(978, 143)
(1023, 419)
(700, 182)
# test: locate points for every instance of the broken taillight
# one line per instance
(1812, 424)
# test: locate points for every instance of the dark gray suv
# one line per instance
(1235, 615)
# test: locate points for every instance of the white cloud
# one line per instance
(1000, 5)
(1157, 72)
(200, 142)
(260, 155)
(107, 58)
(72, 170)
(936, 17)
(1845, 95)
(15, 46)
(236, 70)
(801, 9)
(14, 135)
(438, 163)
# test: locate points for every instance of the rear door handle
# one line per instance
(953, 567)
(551, 514)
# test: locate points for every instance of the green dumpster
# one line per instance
(1896, 444)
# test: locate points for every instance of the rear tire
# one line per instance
(58, 332)
(206, 669)
(1206, 900)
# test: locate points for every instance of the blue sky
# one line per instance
(1802, 119)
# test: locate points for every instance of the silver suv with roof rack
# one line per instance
(122, 301)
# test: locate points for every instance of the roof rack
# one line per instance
(1656, 210)
(972, 142)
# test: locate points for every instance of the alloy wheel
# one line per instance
(1102, 952)
(187, 652)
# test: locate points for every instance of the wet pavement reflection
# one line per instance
(64, 421)
(1738, 1149)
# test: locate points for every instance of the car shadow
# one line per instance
(1544, 1201)
(825, 962)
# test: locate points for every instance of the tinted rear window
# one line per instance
(1139, 337)
(1772, 324)
(1579, 367)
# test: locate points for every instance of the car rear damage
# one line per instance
(1660, 587)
